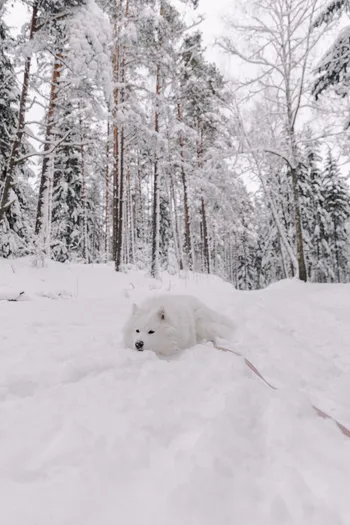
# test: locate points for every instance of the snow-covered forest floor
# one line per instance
(94, 434)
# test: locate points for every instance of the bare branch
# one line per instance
(227, 45)
(44, 153)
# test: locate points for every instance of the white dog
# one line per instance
(168, 323)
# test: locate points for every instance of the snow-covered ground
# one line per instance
(94, 434)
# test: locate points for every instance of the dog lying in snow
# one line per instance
(168, 323)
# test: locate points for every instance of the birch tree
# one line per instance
(280, 38)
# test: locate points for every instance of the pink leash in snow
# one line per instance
(250, 365)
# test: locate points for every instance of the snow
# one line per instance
(92, 433)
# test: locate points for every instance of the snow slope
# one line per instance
(95, 434)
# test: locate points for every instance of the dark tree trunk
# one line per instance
(298, 227)
(188, 242)
(155, 211)
(337, 262)
(119, 250)
(120, 196)
(156, 196)
(84, 194)
(107, 195)
(177, 235)
(119, 146)
(302, 271)
(115, 147)
(44, 181)
(206, 252)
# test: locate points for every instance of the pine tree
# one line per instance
(309, 176)
(201, 125)
(16, 216)
(8, 98)
(314, 215)
(246, 246)
(164, 229)
(67, 206)
(333, 68)
(8, 175)
(77, 35)
(337, 205)
(57, 14)
(95, 249)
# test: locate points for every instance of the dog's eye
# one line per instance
(151, 332)
(137, 331)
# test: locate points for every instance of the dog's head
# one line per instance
(149, 329)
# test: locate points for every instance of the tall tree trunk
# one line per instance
(174, 216)
(119, 251)
(336, 253)
(83, 194)
(302, 272)
(139, 212)
(201, 236)
(7, 174)
(115, 139)
(206, 252)
(156, 194)
(231, 261)
(188, 243)
(42, 217)
(176, 226)
(107, 194)
(120, 196)
(119, 67)
(131, 220)
(284, 267)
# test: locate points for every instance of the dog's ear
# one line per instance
(161, 313)
(135, 309)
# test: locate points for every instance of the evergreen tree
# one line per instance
(201, 143)
(246, 249)
(164, 229)
(311, 200)
(337, 205)
(94, 228)
(67, 207)
(8, 97)
(74, 36)
(315, 217)
(334, 65)
(16, 225)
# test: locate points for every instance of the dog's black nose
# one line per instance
(139, 345)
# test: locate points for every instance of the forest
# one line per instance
(121, 142)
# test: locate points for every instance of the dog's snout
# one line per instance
(139, 345)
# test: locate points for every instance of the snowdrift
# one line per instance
(95, 434)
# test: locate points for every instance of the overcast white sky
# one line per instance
(214, 26)
(214, 11)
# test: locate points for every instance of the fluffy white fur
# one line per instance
(168, 323)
